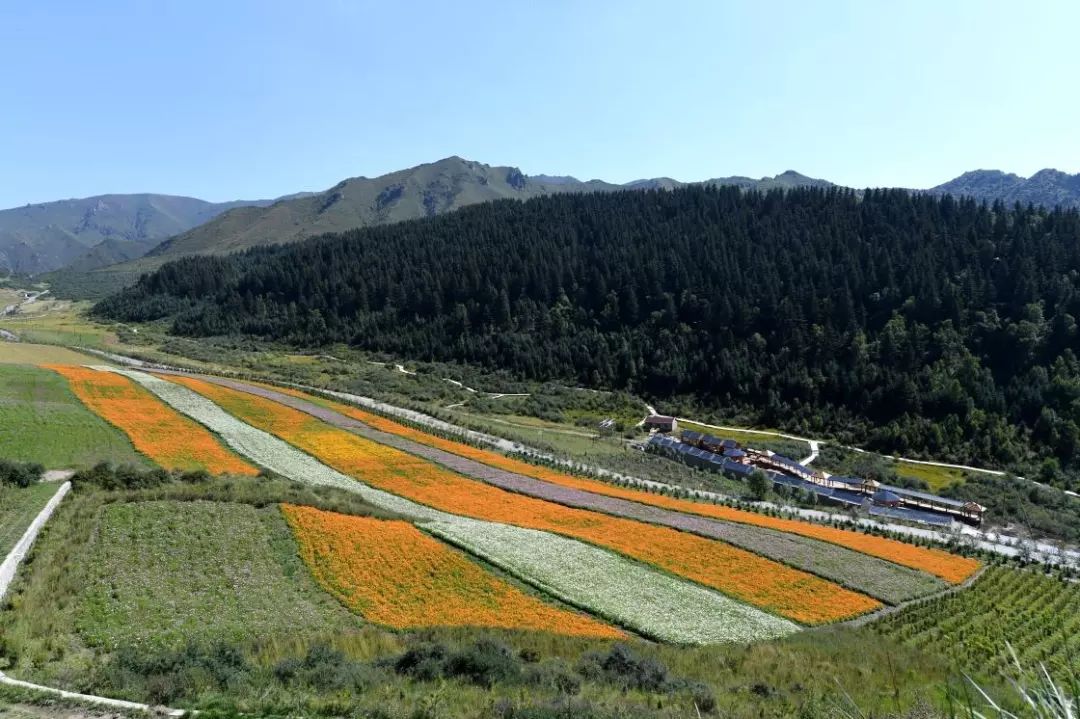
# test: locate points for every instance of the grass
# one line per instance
(788, 447)
(18, 507)
(155, 574)
(164, 573)
(42, 421)
(50, 321)
(34, 354)
(937, 478)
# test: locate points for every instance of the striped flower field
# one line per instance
(949, 567)
(169, 439)
(740, 574)
(393, 574)
(647, 601)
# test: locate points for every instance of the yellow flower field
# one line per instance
(394, 574)
(168, 438)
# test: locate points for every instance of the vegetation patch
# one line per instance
(166, 573)
(1037, 614)
(393, 574)
(601, 582)
(162, 434)
(740, 574)
(42, 421)
(18, 507)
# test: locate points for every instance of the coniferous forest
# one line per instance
(908, 323)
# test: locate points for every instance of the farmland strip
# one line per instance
(642, 599)
(165, 436)
(740, 574)
(945, 565)
(880, 579)
(394, 574)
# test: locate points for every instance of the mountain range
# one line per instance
(37, 238)
(130, 234)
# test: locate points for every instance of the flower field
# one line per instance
(394, 574)
(950, 567)
(878, 578)
(619, 589)
(166, 437)
(745, 576)
(598, 581)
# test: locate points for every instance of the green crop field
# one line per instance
(163, 573)
(18, 507)
(157, 575)
(42, 421)
(1037, 614)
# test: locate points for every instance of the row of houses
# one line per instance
(727, 456)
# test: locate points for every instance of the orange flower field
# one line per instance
(950, 567)
(394, 574)
(742, 575)
(168, 438)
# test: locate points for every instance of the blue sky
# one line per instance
(232, 99)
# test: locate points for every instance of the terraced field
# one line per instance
(168, 438)
(742, 575)
(440, 536)
(147, 581)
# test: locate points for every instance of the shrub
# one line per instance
(19, 474)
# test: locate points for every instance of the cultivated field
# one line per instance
(42, 421)
(364, 538)
(1038, 615)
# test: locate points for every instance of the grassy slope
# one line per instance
(18, 507)
(166, 572)
(42, 421)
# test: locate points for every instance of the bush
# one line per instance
(483, 663)
(19, 474)
(623, 667)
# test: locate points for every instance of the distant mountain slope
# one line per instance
(43, 237)
(421, 191)
(1046, 187)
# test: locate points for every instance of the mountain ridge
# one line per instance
(422, 191)
(40, 237)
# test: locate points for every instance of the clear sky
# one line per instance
(227, 99)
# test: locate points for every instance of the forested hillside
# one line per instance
(908, 323)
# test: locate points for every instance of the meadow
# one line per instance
(42, 421)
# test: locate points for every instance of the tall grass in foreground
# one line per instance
(1035, 694)
(1041, 696)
